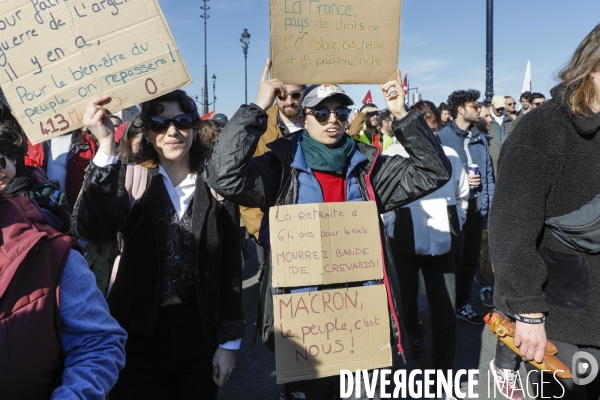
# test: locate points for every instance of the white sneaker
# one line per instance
(506, 382)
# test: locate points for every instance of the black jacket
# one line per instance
(33, 183)
(549, 166)
(135, 298)
(258, 182)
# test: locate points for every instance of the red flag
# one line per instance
(405, 84)
(367, 98)
(208, 116)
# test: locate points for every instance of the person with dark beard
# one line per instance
(283, 120)
(367, 132)
(472, 148)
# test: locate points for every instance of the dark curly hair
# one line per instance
(147, 156)
(13, 144)
(459, 98)
(525, 95)
(443, 107)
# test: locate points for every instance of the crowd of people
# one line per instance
(121, 255)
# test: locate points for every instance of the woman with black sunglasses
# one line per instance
(177, 291)
(323, 164)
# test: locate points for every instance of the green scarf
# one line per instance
(322, 158)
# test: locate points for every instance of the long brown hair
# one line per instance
(148, 156)
(428, 110)
(133, 128)
(580, 91)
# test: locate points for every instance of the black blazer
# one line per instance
(135, 298)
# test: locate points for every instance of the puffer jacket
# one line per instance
(271, 180)
(436, 219)
(452, 136)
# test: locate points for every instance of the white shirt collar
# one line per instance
(499, 119)
(182, 194)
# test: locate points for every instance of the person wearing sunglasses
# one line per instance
(284, 117)
(510, 109)
(535, 100)
(318, 164)
(283, 120)
(177, 291)
(501, 121)
(365, 127)
(18, 178)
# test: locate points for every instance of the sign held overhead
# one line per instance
(323, 41)
(56, 56)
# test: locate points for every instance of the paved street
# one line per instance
(254, 377)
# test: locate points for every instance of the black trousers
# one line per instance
(470, 255)
(505, 357)
(438, 273)
(176, 363)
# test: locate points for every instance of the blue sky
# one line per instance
(442, 45)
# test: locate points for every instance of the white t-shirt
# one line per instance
(57, 160)
(498, 119)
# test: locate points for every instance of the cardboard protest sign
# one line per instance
(325, 243)
(319, 333)
(320, 41)
(56, 56)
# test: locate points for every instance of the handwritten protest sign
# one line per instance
(329, 41)
(324, 243)
(57, 55)
(319, 333)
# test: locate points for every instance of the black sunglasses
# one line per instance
(538, 103)
(3, 162)
(510, 104)
(182, 122)
(295, 95)
(322, 115)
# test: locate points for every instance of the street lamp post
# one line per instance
(245, 39)
(202, 96)
(489, 57)
(214, 79)
(416, 95)
(204, 16)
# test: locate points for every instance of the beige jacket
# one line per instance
(253, 216)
